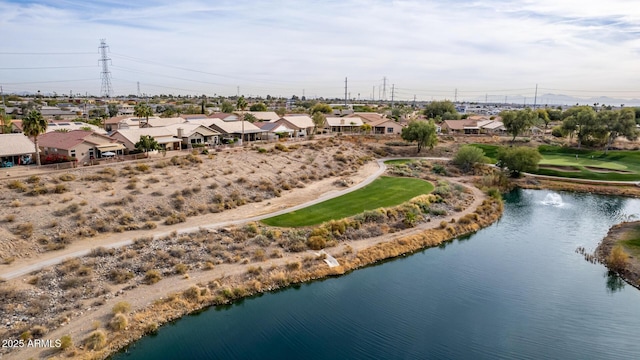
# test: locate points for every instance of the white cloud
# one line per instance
(279, 48)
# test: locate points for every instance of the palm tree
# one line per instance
(241, 105)
(33, 125)
(143, 111)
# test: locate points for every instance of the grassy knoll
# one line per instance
(632, 241)
(383, 192)
(582, 164)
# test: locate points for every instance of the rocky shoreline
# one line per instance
(630, 269)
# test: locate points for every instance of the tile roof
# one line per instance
(344, 121)
(300, 121)
(71, 139)
(16, 144)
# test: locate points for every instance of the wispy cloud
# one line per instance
(282, 47)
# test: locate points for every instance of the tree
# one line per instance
(250, 117)
(147, 143)
(112, 109)
(366, 128)
(6, 122)
(518, 159)
(241, 104)
(423, 132)
(33, 125)
(582, 121)
(618, 123)
(226, 107)
(321, 108)
(142, 110)
(468, 156)
(318, 121)
(258, 107)
(543, 117)
(518, 121)
(437, 110)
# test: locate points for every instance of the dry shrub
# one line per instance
(17, 185)
(96, 340)
(618, 258)
(120, 276)
(181, 269)
(152, 277)
(67, 177)
(38, 331)
(259, 255)
(175, 218)
(194, 294)
(119, 322)
(25, 230)
(317, 242)
(121, 307)
(66, 342)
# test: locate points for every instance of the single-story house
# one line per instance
(274, 129)
(194, 134)
(302, 124)
(225, 116)
(81, 144)
(73, 125)
(367, 117)
(343, 125)
(385, 126)
(460, 126)
(267, 116)
(165, 137)
(16, 149)
(54, 112)
(130, 122)
(235, 129)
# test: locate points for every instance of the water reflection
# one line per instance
(614, 282)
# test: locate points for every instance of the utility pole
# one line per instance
(486, 97)
(106, 89)
(535, 98)
(455, 96)
(414, 101)
(2, 93)
(393, 88)
(345, 92)
(384, 88)
(373, 94)
(138, 83)
(505, 100)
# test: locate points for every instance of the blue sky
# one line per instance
(428, 49)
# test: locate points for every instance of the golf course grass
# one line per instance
(383, 192)
(582, 164)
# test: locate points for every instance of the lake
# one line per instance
(516, 289)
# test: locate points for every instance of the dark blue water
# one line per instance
(516, 290)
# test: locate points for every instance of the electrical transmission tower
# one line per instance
(105, 90)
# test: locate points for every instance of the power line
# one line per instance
(47, 53)
(105, 89)
(48, 67)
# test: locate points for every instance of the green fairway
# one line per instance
(398, 161)
(582, 164)
(383, 192)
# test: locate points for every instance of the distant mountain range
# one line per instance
(560, 99)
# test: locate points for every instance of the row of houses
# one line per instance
(86, 142)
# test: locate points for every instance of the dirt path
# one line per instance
(294, 200)
(144, 295)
